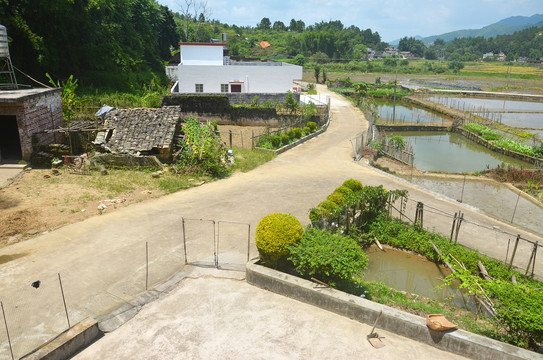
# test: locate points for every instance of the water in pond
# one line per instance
(407, 113)
(475, 104)
(414, 274)
(491, 198)
(450, 152)
(521, 120)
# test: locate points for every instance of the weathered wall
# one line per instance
(237, 98)
(35, 112)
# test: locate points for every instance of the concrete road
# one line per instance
(213, 318)
(102, 259)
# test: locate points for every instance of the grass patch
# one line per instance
(247, 160)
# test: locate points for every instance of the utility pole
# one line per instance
(395, 84)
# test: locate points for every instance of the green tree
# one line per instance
(456, 66)
(279, 26)
(264, 24)
(317, 72)
(299, 60)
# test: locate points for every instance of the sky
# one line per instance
(393, 19)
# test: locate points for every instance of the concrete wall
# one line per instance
(35, 110)
(253, 78)
(411, 326)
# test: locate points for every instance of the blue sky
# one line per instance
(393, 19)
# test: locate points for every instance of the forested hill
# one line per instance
(119, 43)
(503, 27)
(124, 44)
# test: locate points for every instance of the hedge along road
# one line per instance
(102, 259)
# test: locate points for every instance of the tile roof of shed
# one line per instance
(140, 130)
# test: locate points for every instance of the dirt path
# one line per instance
(102, 259)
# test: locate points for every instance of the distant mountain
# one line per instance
(502, 27)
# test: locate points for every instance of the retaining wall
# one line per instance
(411, 326)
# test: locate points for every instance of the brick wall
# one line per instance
(39, 111)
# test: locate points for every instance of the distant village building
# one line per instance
(206, 68)
(498, 57)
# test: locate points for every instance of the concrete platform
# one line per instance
(225, 318)
(8, 172)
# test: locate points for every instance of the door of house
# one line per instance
(10, 144)
(235, 88)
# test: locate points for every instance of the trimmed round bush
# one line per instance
(306, 130)
(337, 198)
(297, 133)
(290, 134)
(344, 190)
(275, 233)
(312, 126)
(275, 140)
(353, 184)
(285, 139)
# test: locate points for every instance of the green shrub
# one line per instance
(273, 236)
(328, 257)
(354, 185)
(297, 133)
(275, 140)
(290, 134)
(337, 198)
(312, 126)
(344, 190)
(285, 139)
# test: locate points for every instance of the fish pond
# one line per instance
(451, 152)
(414, 274)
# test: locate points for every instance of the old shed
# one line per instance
(140, 131)
(25, 112)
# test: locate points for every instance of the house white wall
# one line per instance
(202, 54)
(254, 77)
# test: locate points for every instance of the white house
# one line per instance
(206, 68)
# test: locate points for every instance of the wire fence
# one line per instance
(481, 115)
(510, 248)
(42, 305)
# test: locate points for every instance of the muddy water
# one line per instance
(450, 152)
(491, 198)
(414, 274)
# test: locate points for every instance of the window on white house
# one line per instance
(199, 88)
(224, 87)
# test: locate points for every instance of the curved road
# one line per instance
(102, 259)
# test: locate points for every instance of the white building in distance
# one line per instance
(206, 68)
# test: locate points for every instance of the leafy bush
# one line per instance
(312, 126)
(273, 236)
(337, 198)
(329, 257)
(202, 151)
(290, 134)
(285, 139)
(275, 140)
(344, 190)
(398, 142)
(297, 133)
(354, 185)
